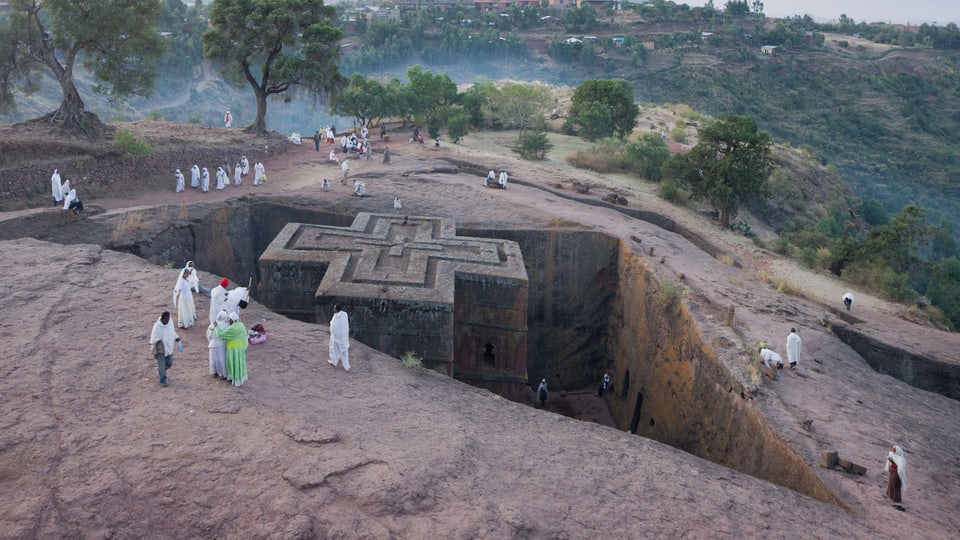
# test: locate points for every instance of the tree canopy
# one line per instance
(275, 46)
(116, 40)
(728, 166)
(615, 94)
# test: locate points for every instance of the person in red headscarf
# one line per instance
(218, 295)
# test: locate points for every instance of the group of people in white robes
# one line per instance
(63, 194)
(201, 180)
(492, 179)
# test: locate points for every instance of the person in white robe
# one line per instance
(218, 297)
(542, 392)
(340, 339)
(359, 188)
(180, 181)
(330, 135)
(503, 180)
(56, 187)
(848, 300)
(245, 165)
(69, 198)
(221, 178)
(183, 300)
(897, 481)
(65, 188)
(325, 185)
(345, 169)
(217, 348)
(237, 172)
(396, 203)
(333, 156)
(194, 279)
(228, 118)
(195, 177)
(793, 348)
(258, 174)
(236, 300)
(771, 361)
(205, 183)
(491, 178)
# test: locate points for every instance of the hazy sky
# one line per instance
(893, 11)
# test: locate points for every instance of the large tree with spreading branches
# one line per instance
(275, 46)
(115, 40)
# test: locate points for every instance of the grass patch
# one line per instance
(131, 145)
(132, 222)
(411, 360)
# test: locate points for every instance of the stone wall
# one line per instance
(572, 279)
(916, 370)
(686, 398)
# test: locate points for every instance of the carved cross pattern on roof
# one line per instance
(415, 257)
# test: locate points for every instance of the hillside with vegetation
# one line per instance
(875, 106)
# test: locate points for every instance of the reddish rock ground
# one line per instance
(91, 446)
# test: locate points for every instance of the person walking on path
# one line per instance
(848, 300)
(235, 336)
(316, 140)
(897, 481)
(163, 338)
(340, 339)
(793, 348)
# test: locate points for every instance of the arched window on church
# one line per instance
(489, 356)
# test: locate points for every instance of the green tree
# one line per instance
(517, 106)
(430, 91)
(533, 144)
(115, 40)
(367, 100)
(898, 242)
(275, 46)
(648, 155)
(616, 94)
(594, 120)
(728, 166)
(457, 127)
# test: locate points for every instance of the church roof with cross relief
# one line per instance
(397, 257)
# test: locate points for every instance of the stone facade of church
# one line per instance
(410, 284)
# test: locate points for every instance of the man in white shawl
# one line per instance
(180, 181)
(897, 467)
(218, 297)
(222, 180)
(345, 169)
(245, 165)
(195, 177)
(216, 346)
(194, 279)
(503, 180)
(491, 178)
(205, 185)
(65, 188)
(237, 171)
(397, 205)
(793, 348)
(339, 339)
(163, 339)
(56, 187)
(257, 173)
(68, 198)
(236, 300)
(183, 300)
